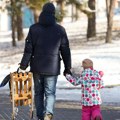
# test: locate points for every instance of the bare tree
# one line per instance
(19, 21)
(110, 4)
(36, 6)
(75, 4)
(61, 13)
(13, 22)
(91, 30)
(14, 10)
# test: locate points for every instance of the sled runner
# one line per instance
(21, 91)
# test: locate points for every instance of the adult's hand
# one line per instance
(20, 70)
(67, 71)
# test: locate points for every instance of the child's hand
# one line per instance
(101, 73)
(68, 76)
(74, 81)
(70, 79)
(81, 71)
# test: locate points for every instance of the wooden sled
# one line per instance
(21, 91)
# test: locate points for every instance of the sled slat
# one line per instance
(25, 91)
(22, 86)
(16, 92)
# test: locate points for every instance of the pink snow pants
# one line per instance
(91, 112)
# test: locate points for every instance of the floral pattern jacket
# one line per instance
(91, 83)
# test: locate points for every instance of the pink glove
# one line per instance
(101, 73)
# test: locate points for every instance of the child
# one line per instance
(91, 83)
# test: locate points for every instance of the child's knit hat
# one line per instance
(87, 63)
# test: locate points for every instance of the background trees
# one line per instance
(110, 4)
(36, 6)
(13, 21)
(88, 7)
(91, 30)
(14, 9)
(19, 21)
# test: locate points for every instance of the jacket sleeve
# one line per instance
(74, 81)
(28, 50)
(65, 51)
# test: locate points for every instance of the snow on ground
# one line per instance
(106, 57)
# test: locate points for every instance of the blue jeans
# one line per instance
(45, 86)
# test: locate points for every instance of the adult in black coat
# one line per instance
(46, 44)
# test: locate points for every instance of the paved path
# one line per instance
(63, 111)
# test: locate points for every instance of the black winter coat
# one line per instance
(45, 46)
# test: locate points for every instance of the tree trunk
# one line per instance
(13, 21)
(91, 31)
(72, 12)
(109, 8)
(61, 3)
(36, 15)
(13, 30)
(76, 14)
(20, 34)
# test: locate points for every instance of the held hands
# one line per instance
(68, 76)
(67, 71)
